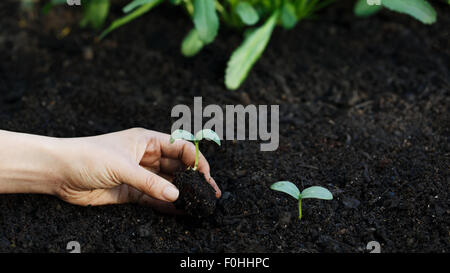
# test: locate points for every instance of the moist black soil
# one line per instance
(197, 198)
(364, 112)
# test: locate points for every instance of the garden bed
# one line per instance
(363, 112)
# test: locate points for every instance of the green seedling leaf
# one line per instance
(247, 13)
(419, 9)
(129, 17)
(207, 134)
(181, 134)
(205, 20)
(311, 192)
(316, 192)
(94, 13)
(362, 9)
(203, 134)
(135, 4)
(192, 44)
(288, 16)
(245, 56)
(286, 187)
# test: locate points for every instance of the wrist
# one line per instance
(30, 163)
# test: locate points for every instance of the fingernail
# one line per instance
(218, 191)
(170, 193)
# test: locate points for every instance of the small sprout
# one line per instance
(202, 134)
(311, 192)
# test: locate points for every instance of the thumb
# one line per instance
(150, 183)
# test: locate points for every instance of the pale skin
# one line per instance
(131, 166)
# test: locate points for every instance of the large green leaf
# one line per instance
(363, 9)
(286, 187)
(419, 9)
(205, 20)
(191, 44)
(316, 192)
(129, 17)
(245, 56)
(247, 13)
(207, 134)
(94, 13)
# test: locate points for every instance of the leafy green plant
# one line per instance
(311, 192)
(207, 134)
(255, 18)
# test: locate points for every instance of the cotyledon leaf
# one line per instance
(207, 134)
(316, 192)
(181, 134)
(286, 187)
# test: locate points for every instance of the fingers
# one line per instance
(125, 194)
(149, 183)
(183, 151)
(169, 165)
(180, 154)
(213, 183)
(180, 149)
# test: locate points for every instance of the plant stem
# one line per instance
(196, 155)
(300, 209)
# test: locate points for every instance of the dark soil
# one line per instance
(197, 198)
(364, 112)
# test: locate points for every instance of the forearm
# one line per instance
(29, 163)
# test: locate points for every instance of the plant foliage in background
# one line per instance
(255, 18)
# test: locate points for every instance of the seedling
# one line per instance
(311, 192)
(202, 134)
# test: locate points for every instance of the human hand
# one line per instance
(134, 165)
